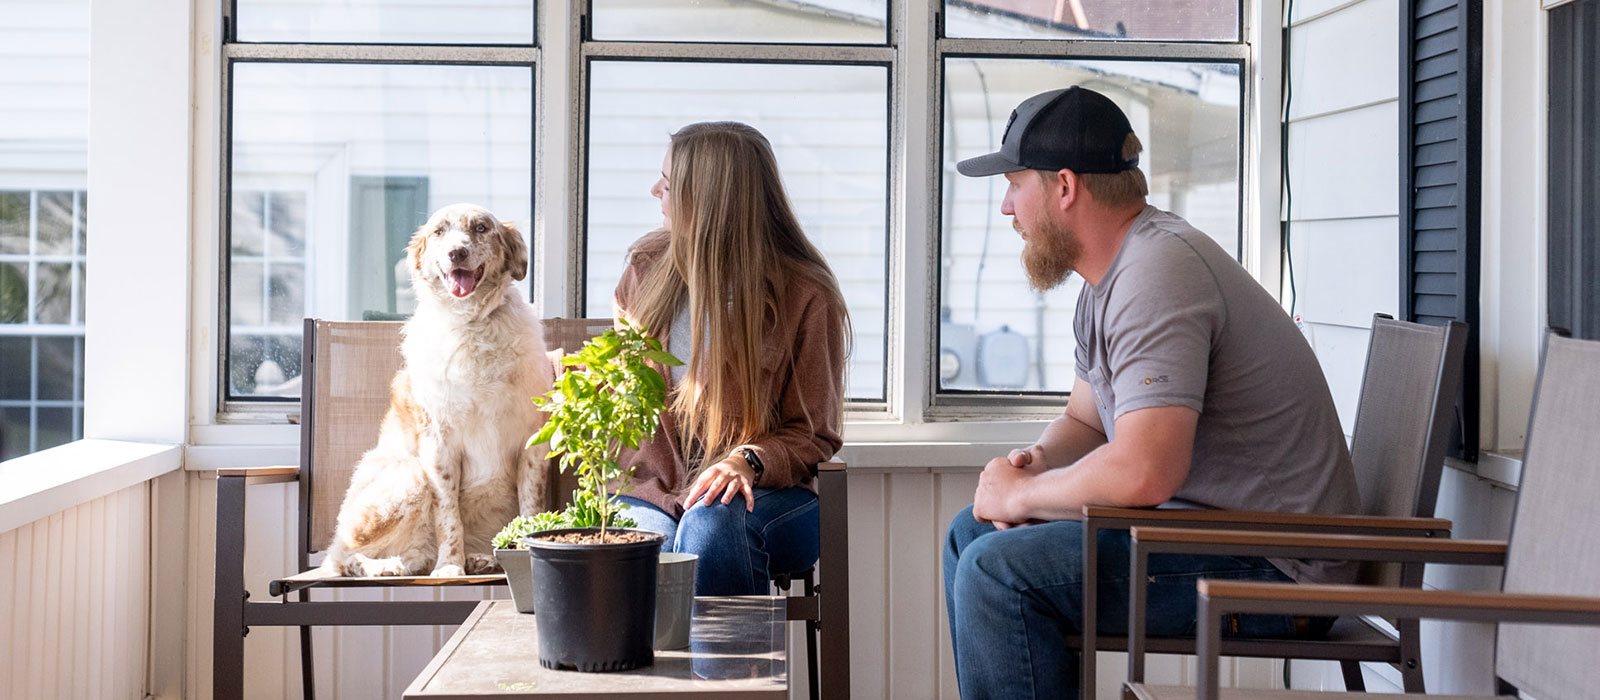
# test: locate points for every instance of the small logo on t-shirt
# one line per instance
(1156, 380)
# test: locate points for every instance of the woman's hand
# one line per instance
(728, 478)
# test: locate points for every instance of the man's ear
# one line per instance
(1068, 187)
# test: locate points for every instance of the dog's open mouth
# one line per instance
(462, 281)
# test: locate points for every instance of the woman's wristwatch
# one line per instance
(754, 461)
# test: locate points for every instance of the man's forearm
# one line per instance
(1093, 479)
(1145, 467)
(1066, 440)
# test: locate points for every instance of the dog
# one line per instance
(451, 466)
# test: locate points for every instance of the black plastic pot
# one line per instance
(595, 603)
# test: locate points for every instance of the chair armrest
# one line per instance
(831, 467)
(1097, 518)
(1326, 599)
(1218, 598)
(1147, 541)
(1122, 518)
(1168, 540)
(261, 475)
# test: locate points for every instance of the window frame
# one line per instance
(257, 409)
(31, 329)
(914, 410)
(966, 404)
(586, 52)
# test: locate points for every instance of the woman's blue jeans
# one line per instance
(1014, 598)
(737, 548)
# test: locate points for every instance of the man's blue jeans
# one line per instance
(738, 548)
(1014, 597)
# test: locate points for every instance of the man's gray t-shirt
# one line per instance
(1176, 321)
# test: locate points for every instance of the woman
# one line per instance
(734, 288)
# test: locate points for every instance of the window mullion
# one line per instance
(798, 53)
(384, 53)
(1092, 50)
(914, 257)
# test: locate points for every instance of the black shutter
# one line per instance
(1441, 65)
(1574, 277)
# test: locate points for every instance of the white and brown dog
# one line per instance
(450, 467)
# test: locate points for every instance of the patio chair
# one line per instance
(346, 370)
(1550, 577)
(1401, 430)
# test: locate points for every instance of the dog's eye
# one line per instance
(479, 228)
(438, 232)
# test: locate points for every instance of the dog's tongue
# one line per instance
(462, 282)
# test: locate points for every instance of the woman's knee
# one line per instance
(713, 522)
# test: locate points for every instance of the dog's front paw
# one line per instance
(447, 570)
(479, 564)
(391, 566)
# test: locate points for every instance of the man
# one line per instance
(1192, 384)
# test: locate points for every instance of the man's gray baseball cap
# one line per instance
(1074, 129)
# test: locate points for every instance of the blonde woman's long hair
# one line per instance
(733, 249)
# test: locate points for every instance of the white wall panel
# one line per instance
(913, 586)
(1345, 270)
(75, 601)
(1458, 657)
(1306, 11)
(1342, 351)
(869, 578)
(1329, 74)
(1346, 165)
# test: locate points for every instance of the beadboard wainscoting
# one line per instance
(75, 601)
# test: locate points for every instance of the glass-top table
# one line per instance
(738, 648)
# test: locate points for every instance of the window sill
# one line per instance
(37, 485)
(1503, 468)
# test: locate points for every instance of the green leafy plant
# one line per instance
(609, 399)
(510, 536)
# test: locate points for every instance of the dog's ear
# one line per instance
(418, 245)
(516, 250)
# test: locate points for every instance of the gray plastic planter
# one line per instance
(519, 576)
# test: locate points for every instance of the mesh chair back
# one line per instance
(347, 368)
(563, 336)
(1554, 532)
(1403, 421)
(346, 371)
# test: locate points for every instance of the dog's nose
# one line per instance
(458, 254)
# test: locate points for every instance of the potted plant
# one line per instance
(596, 591)
(511, 547)
(512, 553)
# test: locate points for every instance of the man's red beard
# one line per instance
(1050, 254)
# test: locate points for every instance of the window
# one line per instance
(338, 152)
(995, 334)
(829, 126)
(825, 108)
(1573, 288)
(348, 123)
(44, 127)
